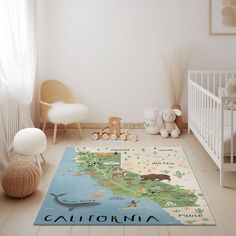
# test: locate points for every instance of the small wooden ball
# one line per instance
(21, 179)
(105, 136)
(95, 136)
(114, 137)
(123, 137)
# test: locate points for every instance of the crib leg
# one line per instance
(189, 130)
(221, 178)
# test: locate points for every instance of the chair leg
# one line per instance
(80, 131)
(42, 157)
(38, 163)
(44, 125)
(54, 134)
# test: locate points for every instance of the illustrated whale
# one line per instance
(71, 205)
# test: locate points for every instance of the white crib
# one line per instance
(212, 116)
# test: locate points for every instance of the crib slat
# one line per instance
(222, 142)
(220, 81)
(208, 120)
(205, 117)
(189, 105)
(232, 133)
(214, 127)
(218, 132)
(195, 106)
(200, 113)
(214, 83)
(208, 86)
(210, 129)
(192, 105)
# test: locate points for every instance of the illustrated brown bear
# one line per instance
(158, 177)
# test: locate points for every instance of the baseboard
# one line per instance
(102, 125)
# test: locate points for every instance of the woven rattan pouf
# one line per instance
(21, 178)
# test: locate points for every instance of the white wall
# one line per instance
(109, 51)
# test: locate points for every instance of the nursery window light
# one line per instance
(17, 54)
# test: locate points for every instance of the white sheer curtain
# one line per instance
(17, 60)
(3, 144)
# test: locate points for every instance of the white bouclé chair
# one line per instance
(30, 142)
(58, 106)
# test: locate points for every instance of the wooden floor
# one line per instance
(17, 216)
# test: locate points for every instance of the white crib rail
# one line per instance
(211, 80)
(203, 119)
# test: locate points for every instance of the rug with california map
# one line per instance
(141, 186)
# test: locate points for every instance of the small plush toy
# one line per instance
(166, 123)
(230, 87)
(230, 90)
(150, 123)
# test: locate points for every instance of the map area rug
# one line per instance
(141, 186)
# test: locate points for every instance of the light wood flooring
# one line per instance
(17, 216)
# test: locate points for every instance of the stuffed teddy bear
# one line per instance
(166, 123)
(150, 122)
(230, 90)
(230, 87)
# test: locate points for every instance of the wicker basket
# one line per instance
(21, 179)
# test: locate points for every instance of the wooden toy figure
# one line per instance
(114, 127)
(113, 131)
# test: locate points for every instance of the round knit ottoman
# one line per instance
(21, 178)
